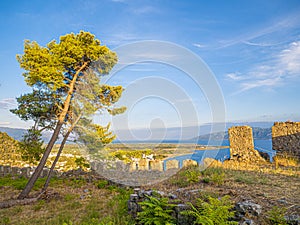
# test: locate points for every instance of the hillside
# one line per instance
(8, 149)
(15, 133)
(258, 133)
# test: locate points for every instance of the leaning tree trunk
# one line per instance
(42, 163)
(61, 147)
(54, 137)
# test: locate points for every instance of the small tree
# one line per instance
(31, 146)
(69, 72)
(40, 106)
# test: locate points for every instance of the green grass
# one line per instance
(20, 183)
(186, 177)
(104, 205)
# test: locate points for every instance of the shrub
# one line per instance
(218, 178)
(102, 184)
(156, 211)
(276, 216)
(82, 163)
(187, 177)
(214, 212)
(215, 175)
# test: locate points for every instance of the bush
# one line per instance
(214, 212)
(276, 216)
(187, 177)
(215, 175)
(156, 211)
(102, 184)
(82, 163)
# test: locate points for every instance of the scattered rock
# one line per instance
(247, 222)
(292, 219)
(172, 196)
(248, 207)
(282, 201)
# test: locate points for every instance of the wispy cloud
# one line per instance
(269, 82)
(277, 71)
(120, 38)
(199, 45)
(290, 59)
(280, 25)
(7, 103)
(261, 44)
(235, 76)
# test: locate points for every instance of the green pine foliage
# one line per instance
(49, 65)
(213, 212)
(156, 211)
(31, 146)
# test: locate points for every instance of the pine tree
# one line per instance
(68, 72)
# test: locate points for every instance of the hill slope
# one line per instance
(8, 149)
(258, 133)
(15, 133)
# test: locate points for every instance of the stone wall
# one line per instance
(22, 172)
(286, 138)
(242, 144)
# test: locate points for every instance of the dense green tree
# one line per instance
(69, 71)
(31, 146)
(39, 106)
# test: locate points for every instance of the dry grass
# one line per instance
(286, 161)
(77, 201)
(263, 184)
(69, 202)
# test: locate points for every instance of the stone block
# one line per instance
(157, 165)
(143, 164)
(189, 162)
(25, 172)
(242, 144)
(286, 138)
(172, 164)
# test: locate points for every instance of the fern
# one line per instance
(156, 211)
(276, 216)
(214, 212)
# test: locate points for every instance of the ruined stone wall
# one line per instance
(286, 138)
(23, 172)
(242, 145)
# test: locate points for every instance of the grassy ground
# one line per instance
(270, 185)
(68, 201)
(89, 199)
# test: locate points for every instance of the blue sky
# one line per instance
(251, 47)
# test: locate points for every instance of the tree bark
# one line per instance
(25, 192)
(42, 163)
(61, 147)
(14, 202)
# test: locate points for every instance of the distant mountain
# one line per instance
(15, 133)
(262, 133)
(261, 130)
(186, 133)
(258, 133)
